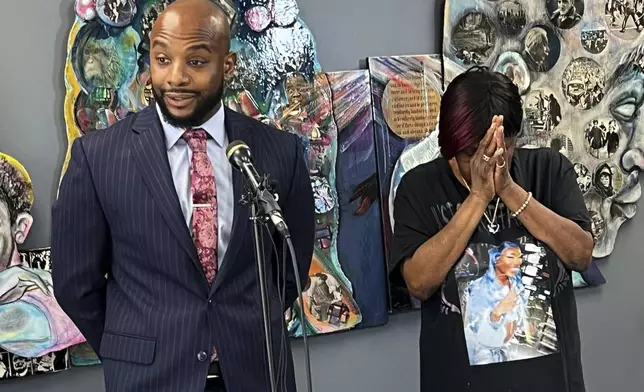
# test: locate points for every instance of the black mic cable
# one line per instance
(238, 153)
(298, 284)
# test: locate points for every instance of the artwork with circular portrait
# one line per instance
(608, 179)
(565, 14)
(512, 17)
(541, 48)
(542, 115)
(583, 83)
(562, 144)
(585, 97)
(624, 18)
(104, 66)
(601, 138)
(584, 177)
(473, 38)
(512, 65)
(594, 41)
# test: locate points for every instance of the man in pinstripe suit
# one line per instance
(153, 256)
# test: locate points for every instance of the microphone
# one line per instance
(238, 154)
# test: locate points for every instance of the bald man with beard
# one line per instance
(153, 254)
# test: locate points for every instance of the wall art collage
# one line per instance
(579, 66)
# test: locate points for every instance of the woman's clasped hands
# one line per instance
(489, 166)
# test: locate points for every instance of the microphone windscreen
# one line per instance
(233, 147)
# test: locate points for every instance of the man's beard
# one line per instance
(200, 113)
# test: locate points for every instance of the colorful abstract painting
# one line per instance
(278, 80)
(351, 293)
(579, 67)
(360, 240)
(406, 93)
(35, 333)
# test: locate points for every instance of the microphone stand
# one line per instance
(261, 203)
(258, 218)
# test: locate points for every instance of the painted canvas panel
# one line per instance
(35, 333)
(351, 293)
(277, 80)
(578, 66)
(406, 93)
(360, 241)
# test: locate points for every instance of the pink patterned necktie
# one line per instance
(204, 199)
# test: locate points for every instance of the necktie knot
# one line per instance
(196, 139)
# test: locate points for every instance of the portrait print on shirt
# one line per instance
(505, 294)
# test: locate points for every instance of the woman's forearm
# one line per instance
(571, 243)
(425, 271)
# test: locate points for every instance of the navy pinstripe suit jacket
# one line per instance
(126, 269)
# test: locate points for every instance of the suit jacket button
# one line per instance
(202, 356)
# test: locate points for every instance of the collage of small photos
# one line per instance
(579, 67)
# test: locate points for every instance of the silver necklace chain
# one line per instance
(492, 226)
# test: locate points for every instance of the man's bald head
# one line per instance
(204, 16)
(190, 59)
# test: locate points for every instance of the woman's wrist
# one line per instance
(478, 205)
(478, 198)
(513, 196)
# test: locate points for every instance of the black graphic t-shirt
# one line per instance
(505, 318)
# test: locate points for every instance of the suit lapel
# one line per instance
(235, 131)
(151, 155)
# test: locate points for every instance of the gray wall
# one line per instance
(33, 38)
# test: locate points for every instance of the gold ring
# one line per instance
(501, 166)
(486, 158)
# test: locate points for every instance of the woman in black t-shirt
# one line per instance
(486, 237)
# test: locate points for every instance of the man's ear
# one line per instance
(22, 227)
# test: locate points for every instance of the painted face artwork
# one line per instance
(34, 330)
(585, 90)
